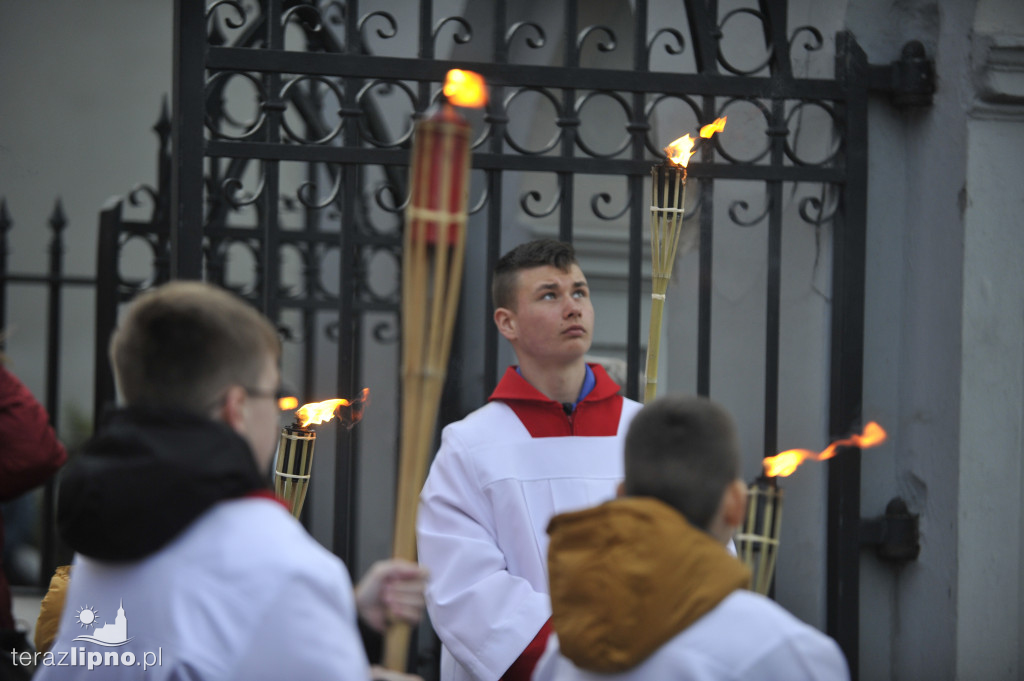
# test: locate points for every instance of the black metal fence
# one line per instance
(55, 283)
(288, 158)
(318, 72)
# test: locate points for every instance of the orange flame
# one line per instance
(782, 465)
(349, 412)
(711, 128)
(680, 151)
(465, 88)
(287, 403)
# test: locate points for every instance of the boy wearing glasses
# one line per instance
(185, 562)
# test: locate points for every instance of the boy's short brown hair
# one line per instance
(537, 253)
(684, 451)
(181, 345)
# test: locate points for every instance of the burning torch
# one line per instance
(668, 198)
(295, 448)
(433, 254)
(757, 542)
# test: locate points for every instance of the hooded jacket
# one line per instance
(629, 575)
(30, 454)
(206, 578)
(145, 477)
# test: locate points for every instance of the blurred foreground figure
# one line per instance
(643, 587)
(186, 566)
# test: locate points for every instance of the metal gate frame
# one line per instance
(197, 209)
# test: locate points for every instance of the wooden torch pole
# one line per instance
(668, 196)
(433, 257)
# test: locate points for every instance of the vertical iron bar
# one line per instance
(107, 300)
(426, 38)
(778, 133)
(776, 21)
(703, 19)
(638, 129)
(58, 222)
(162, 128)
(706, 260)
(310, 274)
(847, 356)
(345, 469)
(568, 123)
(188, 143)
(274, 107)
(707, 241)
(497, 119)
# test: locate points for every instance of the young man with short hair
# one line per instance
(643, 587)
(186, 563)
(548, 441)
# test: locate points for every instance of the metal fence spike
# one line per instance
(58, 220)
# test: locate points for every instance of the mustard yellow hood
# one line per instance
(629, 575)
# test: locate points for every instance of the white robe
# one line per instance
(482, 530)
(243, 593)
(746, 637)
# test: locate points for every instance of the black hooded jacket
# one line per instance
(145, 477)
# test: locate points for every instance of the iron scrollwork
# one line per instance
(607, 45)
(605, 198)
(462, 35)
(674, 49)
(534, 196)
(536, 41)
(581, 103)
(289, 93)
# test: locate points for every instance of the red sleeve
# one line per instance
(522, 668)
(30, 452)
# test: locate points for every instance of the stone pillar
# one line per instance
(991, 445)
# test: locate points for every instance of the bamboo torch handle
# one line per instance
(431, 384)
(440, 194)
(396, 640)
(667, 208)
(396, 646)
(653, 347)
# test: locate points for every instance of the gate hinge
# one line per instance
(909, 81)
(894, 535)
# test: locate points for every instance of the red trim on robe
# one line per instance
(522, 668)
(597, 415)
(267, 494)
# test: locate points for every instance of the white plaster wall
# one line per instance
(989, 634)
(943, 360)
(907, 614)
(883, 321)
(892, 347)
(988, 603)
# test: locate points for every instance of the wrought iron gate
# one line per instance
(308, 182)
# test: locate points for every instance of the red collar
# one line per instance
(514, 387)
(267, 494)
(597, 415)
